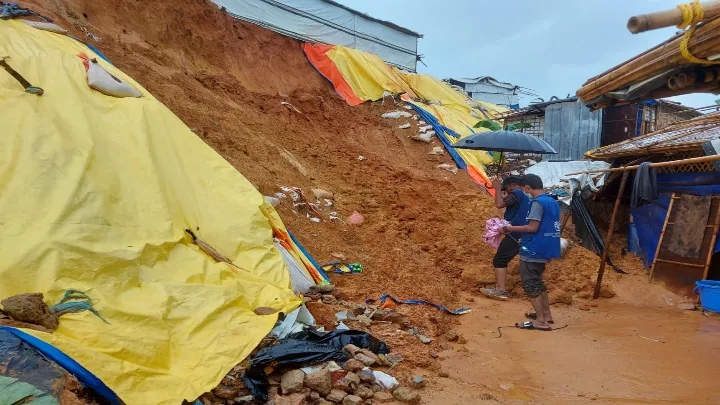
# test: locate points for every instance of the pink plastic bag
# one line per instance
(493, 226)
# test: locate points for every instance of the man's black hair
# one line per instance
(533, 181)
(511, 180)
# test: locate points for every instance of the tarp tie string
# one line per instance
(692, 13)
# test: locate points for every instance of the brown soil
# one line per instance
(30, 308)
(421, 238)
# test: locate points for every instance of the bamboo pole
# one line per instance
(608, 239)
(669, 18)
(716, 226)
(662, 237)
(700, 159)
(705, 42)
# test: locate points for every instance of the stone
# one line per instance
(451, 336)
(414, 331)
(388, 315)
(322, 289)
(336, 375)
(424, 339)
(314, 396)
(343, 384)
(364, 392)
(377, 388)
(353, 366)
(226, 392)
(366, 376)
(461, 339)
(406, 395)
(353, 378)
(244, 400)
(364, 320)
(292, 382)
(418, 382)
(321, 401)
(294, 399)
(383, 397)
(367, 357)
(329, 299)
(351, 349)
(352, 400)
(686, 306)
(443, 374)
(319, 381)
(336, 396)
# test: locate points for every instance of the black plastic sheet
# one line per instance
(12, 10)
(585, 228)
(22, 361)
(305, 349)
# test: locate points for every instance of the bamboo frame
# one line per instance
(716, 226)
(700, 159)
(608, 238)
(662, 237)
(669, 18)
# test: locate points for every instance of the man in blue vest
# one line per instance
(516, 205)
(540, 243)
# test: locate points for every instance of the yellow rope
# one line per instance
(692, 14)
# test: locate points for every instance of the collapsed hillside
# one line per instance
(228, 80)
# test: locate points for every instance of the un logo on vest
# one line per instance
(557, 226)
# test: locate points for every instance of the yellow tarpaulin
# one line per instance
(95, 195)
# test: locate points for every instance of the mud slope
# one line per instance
(226, 80)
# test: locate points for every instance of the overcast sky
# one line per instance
(550, 46)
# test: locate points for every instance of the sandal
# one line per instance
(533, 315)
(530, 326)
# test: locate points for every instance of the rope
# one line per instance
(692, 14)
(75, 301)
(500, 334)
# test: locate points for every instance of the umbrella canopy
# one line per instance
(505, 141)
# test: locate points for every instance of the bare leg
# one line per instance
(537, 304)
(546, 306)
(501, 278)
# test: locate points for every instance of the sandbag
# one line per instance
(101, 80)
(46, 26)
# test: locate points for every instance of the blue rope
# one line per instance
(66, 306)
(440, 307)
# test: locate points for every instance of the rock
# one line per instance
(364, 392)
(367, 357)
(383, 397)
(294, 399)
(364, 320)
(351, 349)
(406, 395)
(225, 392)
(686, 306)
(451, 335)
(292, 382)
(329, 299)
(352, 400)
(314, 396)
(414, 331)
(418, 382)
(359, 309)
(353, 378)
(265, 311)
(377, 388)
(244, 400)
(461, 339)
(319, 381)
(353, 366)
(443, 374)
(388, 315)
(424, 339)
(322, 289)
(336, 375)
(584, 307)
(336, 396)
(366, 376)
(321, 402)
(344, 385)
(30, 308)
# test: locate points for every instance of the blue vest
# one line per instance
(545, 243)
(517, 214)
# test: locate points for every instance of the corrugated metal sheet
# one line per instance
(572, 129)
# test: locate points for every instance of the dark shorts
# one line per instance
(507, 251)
(531, 277)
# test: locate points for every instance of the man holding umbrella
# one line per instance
(516, 205)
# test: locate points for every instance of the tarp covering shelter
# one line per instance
(96, 194)
(358, 77)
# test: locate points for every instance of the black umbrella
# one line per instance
(505, 141)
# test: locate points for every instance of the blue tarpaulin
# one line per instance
(649, 219)
(441, 131)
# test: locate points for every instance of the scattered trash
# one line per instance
(280, 195)
(328, 203)
(415, 117)
(440, 307)
(424, 339)
(532, 162)
(564, 244)
(342, 326)
(29, 88)
(425, 128)
(451, 168)
(506, 387)
(286, 104)
(11, 10)
(209, 250)
(434, 102)
(437, 150)
(105, 82)
(341, 316)
(407, 107)
(355, 218)
(654, 340)
(275, 202)
(90, 34)
(45, 26)
(361, 157)
(313, 219)
(338, 255)
(404, 126)
(421, 122)
(397, 114)
(424, 137)
(333, 216)
(385, 380)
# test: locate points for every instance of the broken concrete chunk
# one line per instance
(353, 366)
(336, 396)
(353, 377)
(351, 349)
(343, 384)
(294, 399)
(418, 382)
(319, 381)
(364, 320)
(352, 400)
(292, 382)
(364, 359)
(383, 397)
(406, 395)
(364, 392)
(366, 376)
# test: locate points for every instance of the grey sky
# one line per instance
(549, 46)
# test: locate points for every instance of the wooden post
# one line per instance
(564, 222)
(662, 236)
(608, 239)
(716, 225)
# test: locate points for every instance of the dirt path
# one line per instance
(604, 356)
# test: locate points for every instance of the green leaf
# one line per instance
(518, 125)
(489, 124)
(13, 391)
